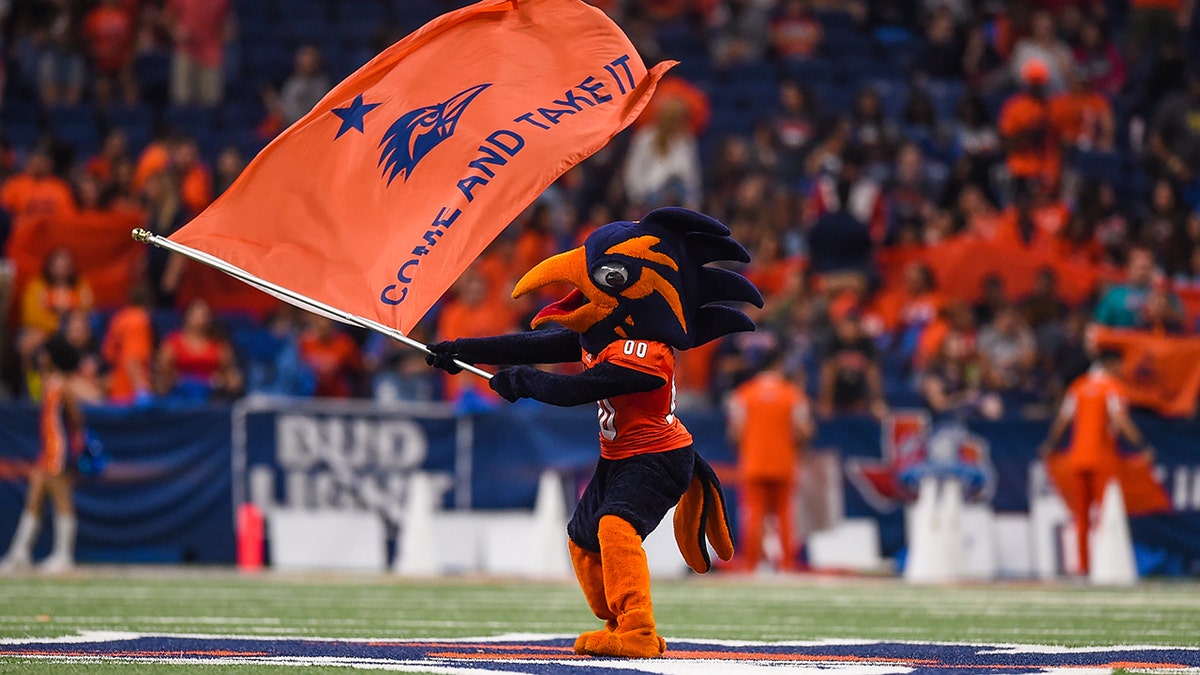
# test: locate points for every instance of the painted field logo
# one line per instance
(416, 132)
(553, 655)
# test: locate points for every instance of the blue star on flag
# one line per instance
(352, 115)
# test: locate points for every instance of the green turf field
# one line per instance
(796, 608)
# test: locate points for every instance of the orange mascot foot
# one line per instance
(590, 574)
(627, 591)
(634, 638)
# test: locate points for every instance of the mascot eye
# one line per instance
(611, 275)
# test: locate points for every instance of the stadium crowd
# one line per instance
(940, 196)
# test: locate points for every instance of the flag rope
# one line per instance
(291, 297)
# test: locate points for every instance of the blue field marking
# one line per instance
(552, 655)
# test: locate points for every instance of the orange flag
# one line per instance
(376, 201)
(1161, 372)
(1143, 494)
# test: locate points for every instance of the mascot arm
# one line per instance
(606, 380)
(539, 346)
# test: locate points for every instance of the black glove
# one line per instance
(442, 355)
(513, 383)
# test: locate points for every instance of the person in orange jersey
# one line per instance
(1032, 150)
(128, 348)
(770, 424)
(1096, 409)
(62, 436)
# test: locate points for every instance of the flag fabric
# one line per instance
(377, 200)
(1160, 372)
(1143, 494)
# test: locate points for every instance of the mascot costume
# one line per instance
(642, 290)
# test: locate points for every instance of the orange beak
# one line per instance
(583, 307)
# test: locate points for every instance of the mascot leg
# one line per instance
(627, 587)
(590, 573)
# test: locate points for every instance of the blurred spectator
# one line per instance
(1155, 22)
(278, 368)
(1163, 228)
(795, 125)
(113, 152)
(77, 330)
(851, 381)
(944, 48)
(1175, 137)
(37, 192)
(1161, 313)
(229, 166)
(164, 214)
(400, 372)
(1124, 303)
(48, 297)
(472, 312)
(109, 29)
(740, 32)
(1044, 306)
(983, 60)
(307, 85)
(993, 300)
(196, 364)
(1098, 61)
(663, 165)
(128, 348)
(839, 243)
(978, 144)
(1104, 218)
(1043, 46)
(851, 191)
(1009, 351)
(874, 133)
(1081, 117)
(1032, 149)
(199, 29)
(953, 382)
(795, 31)
(61, 68)
(332, 355)
(911, 195)
(195, 180)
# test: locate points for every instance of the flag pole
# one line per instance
(301, 301)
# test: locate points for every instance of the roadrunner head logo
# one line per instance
(419, 131)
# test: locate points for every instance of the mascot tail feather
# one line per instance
(701, 511)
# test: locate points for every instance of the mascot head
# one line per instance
(648, 280)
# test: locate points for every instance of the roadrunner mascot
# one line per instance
(641, 291)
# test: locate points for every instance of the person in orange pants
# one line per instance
(769, 423)
(1095, 403)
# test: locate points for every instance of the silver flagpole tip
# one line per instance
(142, 235)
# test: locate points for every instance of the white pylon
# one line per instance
(1112, 561)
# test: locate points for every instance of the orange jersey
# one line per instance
(1092, 400)
(645, 422)
(128, 345)
(1026, 120)
(767, 408)
(53, 458)
(25, 196)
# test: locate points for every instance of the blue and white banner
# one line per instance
(175, 474)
